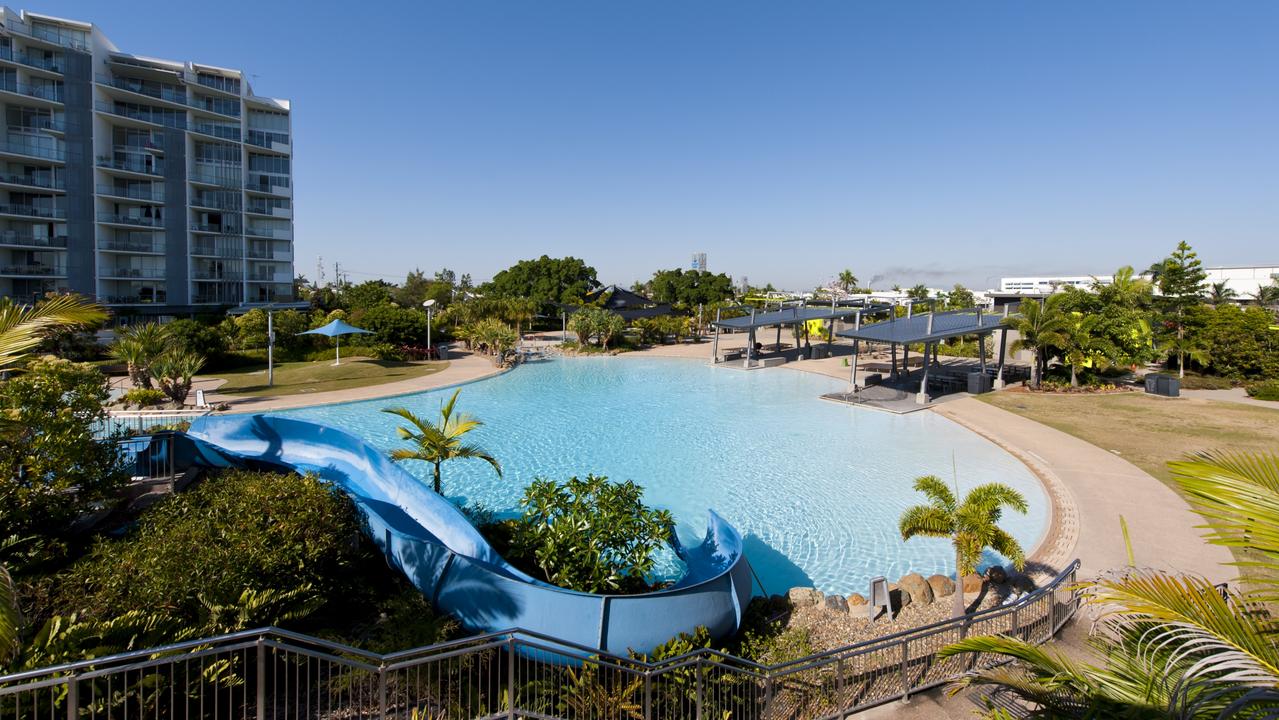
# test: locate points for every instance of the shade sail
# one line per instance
(336, 328)
(794, 315)
(929, 327)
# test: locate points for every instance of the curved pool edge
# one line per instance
(442, 554)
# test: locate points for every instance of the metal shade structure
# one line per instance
(336, 330)
(795, 315)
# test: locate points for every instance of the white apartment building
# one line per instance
(1047, 284)
(156, 186)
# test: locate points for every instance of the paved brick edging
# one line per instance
(1057, 547)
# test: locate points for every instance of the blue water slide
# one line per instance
(441, 552)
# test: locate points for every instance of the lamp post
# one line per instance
(270, 349)
(430, 306)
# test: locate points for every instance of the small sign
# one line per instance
(199, 399)
(878, 597)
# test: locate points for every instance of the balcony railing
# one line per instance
(262, 207)
(127, 273)
(226, 132)
(41, 32)
(227, 179)
(9, 237)
(213, 249)
(36, 211)
(269, 140)
(226, 85)
(51, 64)
(231, 276)
(139, 246)
(49, 182)
(214, 229)
(52, 93)
(154, 193)
(160, 297)
(138, 87)
(229, 108)
(19, 147)
(267, 184)
(277, 234)
(167, 119)
(110, 217)
(131, 164)
(228, 204)
(42, 270)
(270, 254)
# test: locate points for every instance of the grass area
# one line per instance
(297, 378)
(1148, 431)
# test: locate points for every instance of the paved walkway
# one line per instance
(463, 368)
(1234, 395)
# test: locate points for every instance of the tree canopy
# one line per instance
(546, 280)
(689, 288)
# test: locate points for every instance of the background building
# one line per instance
(158, 187)
(699, 262)
(1048, 283)
(1245, 281)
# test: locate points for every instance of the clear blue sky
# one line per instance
(909, 141)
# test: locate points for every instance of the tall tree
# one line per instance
(918, 292)
(546, 280)
(1083, 345)
(438, 442)
(847, 280)
(1181, 286)
(960, 297)
(972, 525)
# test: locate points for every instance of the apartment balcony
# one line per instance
(221, 132)
(160, 296)
(129, 162)
(206, 105)
(268, 141)
(130, 220)
(49, 182)
(271, 278)
(13, 239)
(45, 34)
(136, 87)
(208, 229)
(273, 233)
(153, 194)
(225, 204)
(214, 250)
(32, 271)
(269, 254)
(230, 86)
(131, 273)
(131, 246)
(15, 145)
(33, 211)
(219, 275)
(228, 179)
(268, 185)
(142, 116)
(49, 93)
(256, 206)
(53, 65)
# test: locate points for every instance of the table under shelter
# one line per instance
(929, 329)
(795, 315)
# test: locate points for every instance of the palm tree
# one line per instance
(1170, 645)
(1219, 293)
(1039, 327)
(1267, 295)
(518, 311)
(1186, 346)
(971, 525)
(437, 443)
(138, 346)
(174, 370)
(1083, 345)
(23, 327)
(847, 280)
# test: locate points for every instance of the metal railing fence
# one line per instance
(273, 673)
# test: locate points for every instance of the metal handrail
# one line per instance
(540, 654)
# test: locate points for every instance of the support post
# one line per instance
(922, 397)
(906, 360)
(261, 679)
(1003, 345)
(893, 362)
(852, 376)
(270, 348)
(510, 678)
(715, 342)
(73, 696)
(981, 352)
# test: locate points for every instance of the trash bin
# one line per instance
(1169, 386)
(1152, 383)
(443, 351)
(978, 383)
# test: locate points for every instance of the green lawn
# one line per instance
(1149, 431)
(312, 377)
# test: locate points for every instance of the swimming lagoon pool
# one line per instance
(816, 487)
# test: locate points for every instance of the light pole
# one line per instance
(270, 349)
(429, 305)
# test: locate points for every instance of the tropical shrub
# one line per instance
(138, 346)
(438, 442)
(198, 553)
(200, 338)
(1264, 390)
(593, 324)
(590, 534)
(143, 397)
(173, 372)
(52, 467)
(392, 325)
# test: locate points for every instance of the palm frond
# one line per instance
(925, 520)
(934, 489)
(10, 618)
(24, 327)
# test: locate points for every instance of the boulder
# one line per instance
(855, 600)
(996, 574)
(897, 598)
(920, 591)
(972, 583)
(941, 585)
(803, 596)
(837, 604)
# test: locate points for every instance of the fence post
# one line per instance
(700, 690)
(905, 670)
(73, 697)
(381, 690)
(1052, 614)
(768, 692)
(510, 677)
(261, 710)
(648, 694)
(1016, 621)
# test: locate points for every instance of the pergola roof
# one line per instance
(793, 315)
(630, 305)
(929, 327)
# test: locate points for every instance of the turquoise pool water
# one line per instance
(816, 487)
